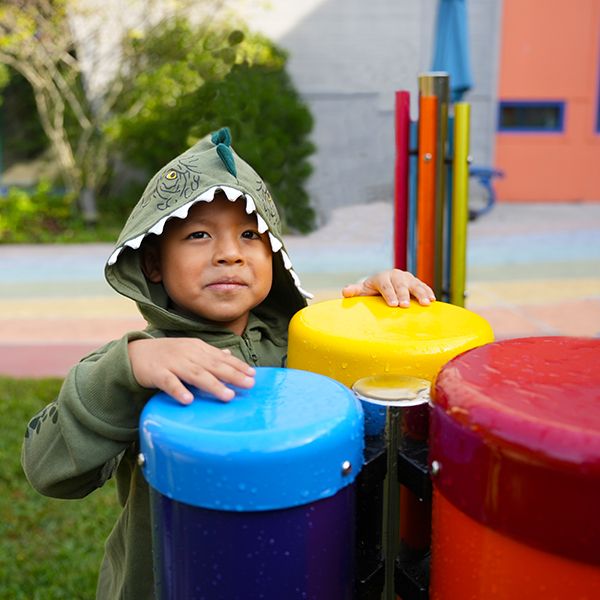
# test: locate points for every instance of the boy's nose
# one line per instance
(228, 252)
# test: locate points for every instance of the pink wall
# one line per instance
(550, 50)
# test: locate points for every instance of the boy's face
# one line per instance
(214, 263)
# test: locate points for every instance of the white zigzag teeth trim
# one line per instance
(287, 263)
(113, 257)
(182, 212)
(298, 285)
(231, 193)
(276, 245)
(262, 225)
(134, 244)
(250, 206)
(296, 279)
(157, 229)
(208, 195)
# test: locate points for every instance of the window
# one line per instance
(598, 110)
(531, 116)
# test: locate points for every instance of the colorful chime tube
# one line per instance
(401, 199)
(430, 229)
(426, 190)
(460, 204)
(437, 84)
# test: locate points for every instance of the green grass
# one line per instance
(48, 548)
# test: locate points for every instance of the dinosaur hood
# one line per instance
(209, 167)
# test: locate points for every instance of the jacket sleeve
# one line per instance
(74, 444)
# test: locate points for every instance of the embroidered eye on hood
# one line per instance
(209, 167)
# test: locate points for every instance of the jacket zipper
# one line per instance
(250, 348)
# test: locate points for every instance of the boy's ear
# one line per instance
(150, 262)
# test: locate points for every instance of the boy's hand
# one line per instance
(165, 363)
(395, 286)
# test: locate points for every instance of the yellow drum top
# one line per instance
(357, 337)
(371, 319)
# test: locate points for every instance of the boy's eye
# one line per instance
(251, 235)
(197, 235)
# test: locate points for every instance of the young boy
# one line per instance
(202, 256)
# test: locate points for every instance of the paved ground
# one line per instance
(532, 270)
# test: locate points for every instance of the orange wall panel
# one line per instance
(547, 48)
(550, 51)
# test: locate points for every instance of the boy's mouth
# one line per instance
(227, 283)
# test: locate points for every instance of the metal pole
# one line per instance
(385, 400)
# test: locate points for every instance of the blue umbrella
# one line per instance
(451, 51)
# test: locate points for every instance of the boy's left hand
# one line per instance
(395, 286)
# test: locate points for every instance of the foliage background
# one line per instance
(245, 87)
(182, 81)
(22, 136)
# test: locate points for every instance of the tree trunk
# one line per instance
(87, 205)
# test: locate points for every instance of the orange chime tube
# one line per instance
(436, 83)
(426, 189)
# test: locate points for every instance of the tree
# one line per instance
(76, 57)
(188, 94)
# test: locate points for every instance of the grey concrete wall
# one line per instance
(486, 18)
(347, 58)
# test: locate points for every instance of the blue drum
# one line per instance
(255, 498)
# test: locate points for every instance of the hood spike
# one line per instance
(262, 225)
(276, 245)
(250, 206)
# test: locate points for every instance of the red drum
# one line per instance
(515, 459)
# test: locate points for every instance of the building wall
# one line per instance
(347, 58)
(550, 51)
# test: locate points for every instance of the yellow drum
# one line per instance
(351, 338)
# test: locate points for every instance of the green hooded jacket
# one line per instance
(90, 432)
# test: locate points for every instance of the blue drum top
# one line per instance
(294, 438)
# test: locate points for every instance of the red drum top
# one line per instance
(542, 394)
(516, 436)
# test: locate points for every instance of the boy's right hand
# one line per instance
(165, 363)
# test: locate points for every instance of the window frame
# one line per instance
(560, 104)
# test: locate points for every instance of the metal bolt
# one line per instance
(346, 467)
(427, 156)
(469, 159)
(141, 460)
(436, 467)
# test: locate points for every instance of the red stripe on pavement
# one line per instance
(41, 360)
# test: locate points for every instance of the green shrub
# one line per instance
(44, 214)
(213, 80)
(149, 127)
(270, 126)
(34, 216)
(21, 133)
